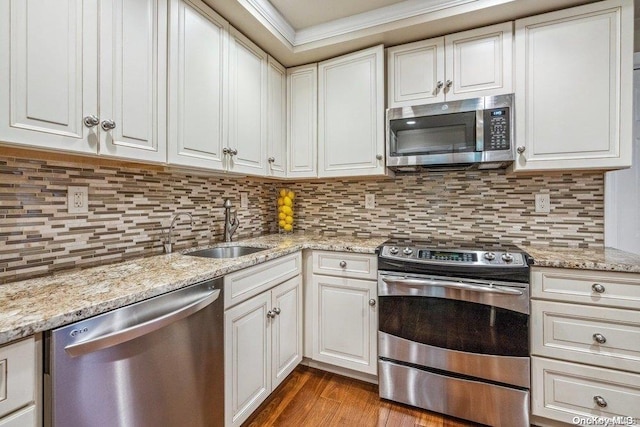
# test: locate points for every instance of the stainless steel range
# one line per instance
(454, 329)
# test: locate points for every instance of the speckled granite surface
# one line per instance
(607, 259)
(44, 303)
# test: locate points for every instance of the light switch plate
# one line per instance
(369, 201)
(77, 199)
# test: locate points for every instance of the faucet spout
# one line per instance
(231, 221)
(168, 247)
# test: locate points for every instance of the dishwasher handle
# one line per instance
(124, 335)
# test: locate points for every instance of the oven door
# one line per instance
(469, 328)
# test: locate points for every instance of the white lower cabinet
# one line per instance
(585, 340)
(344, 314)
(263, 344)
(19, 385)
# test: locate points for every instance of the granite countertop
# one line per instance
(606, 259)
(39, 304)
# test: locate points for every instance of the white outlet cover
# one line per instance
(369, 201)
(244, 200)
(543, 203)
(77, 199)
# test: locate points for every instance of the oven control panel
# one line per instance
(457, 257)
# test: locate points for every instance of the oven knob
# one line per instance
(507, 257)
(489, 256)
(393, 250)
(407, 251)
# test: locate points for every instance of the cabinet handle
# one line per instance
(271, 159)
(271, 314)
(598, 288)
(91, 121)
(276, 310)
(343, 264)
(439, 85)
(520, 149)
(108, 125)
(600, 401)
(599, 338)
(448, 84)
(379, 156)
(372, 302)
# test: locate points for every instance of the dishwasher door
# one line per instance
(155, 363)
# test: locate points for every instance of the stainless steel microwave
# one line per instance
(460, 134)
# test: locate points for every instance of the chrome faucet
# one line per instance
(167, 244)
(231, 221)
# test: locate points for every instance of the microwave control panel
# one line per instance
(497, 129)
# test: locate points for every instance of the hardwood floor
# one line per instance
(310, 397)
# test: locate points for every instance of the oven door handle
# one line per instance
(452, 285)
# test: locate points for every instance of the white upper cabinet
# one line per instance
(302, 121)
(463, 65)
(198, 85)
(247, 106)
(49, 64)
(277, 123)
(351, 114)
(133, 79)
(48, 73)
(574, 88)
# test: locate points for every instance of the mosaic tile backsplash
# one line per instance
(130, 207)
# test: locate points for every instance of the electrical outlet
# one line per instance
(244, 200)
(369, 201)
(543, 203)
(77, 199)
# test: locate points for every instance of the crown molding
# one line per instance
(269, 16)
(381, 16)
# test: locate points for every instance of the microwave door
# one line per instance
(441, 134)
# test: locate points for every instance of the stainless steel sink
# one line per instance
(226, 252)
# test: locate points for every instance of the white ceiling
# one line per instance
(303, 14)
(297, 32)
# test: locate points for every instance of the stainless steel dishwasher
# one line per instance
(158, 362)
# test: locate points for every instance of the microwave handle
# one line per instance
(452, 285)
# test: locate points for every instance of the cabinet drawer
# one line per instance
(563, 391)
(345, 264)
(17, 375)
(568, 331)
(581, 286)
(244, 284)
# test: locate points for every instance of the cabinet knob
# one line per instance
(372, 302)
(233, 151)
(108, 125)
(520, 149)
(379, 156)
(271, 159)
(90, 121)
(271, 314)
(448, 84)
(599, 338)
(599, 400)
(439, 85)
(276, 310)
(225, 150)
(598, 288)
(343, 264)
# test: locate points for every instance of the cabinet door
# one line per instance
(574, 86)
(48, 73)
(345, 322)
(133, 82)
(286, 331)
(247, 358)
(248, 105)
(351, 114)
(302, 121)
(416, 73)
(277, 124)
(479, 62)
(198, 85)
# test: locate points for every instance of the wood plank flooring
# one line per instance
(311, 397)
